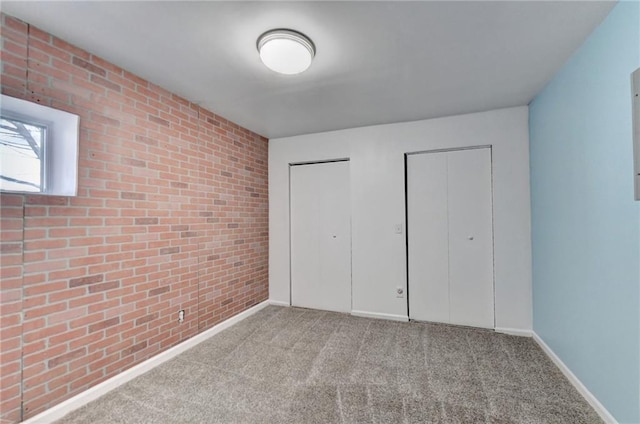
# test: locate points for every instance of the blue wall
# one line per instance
(585, 224)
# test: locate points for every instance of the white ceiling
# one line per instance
(376, 62)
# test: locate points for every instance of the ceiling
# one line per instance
(376, 62)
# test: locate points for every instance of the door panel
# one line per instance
(321, 236)
(428, 237)
(470, 238)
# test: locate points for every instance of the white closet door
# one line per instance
(450, 236)
(470, 238)
(428, 237)
(321, 236)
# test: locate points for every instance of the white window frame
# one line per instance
(60, 146)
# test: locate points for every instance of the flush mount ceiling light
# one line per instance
(286, 51)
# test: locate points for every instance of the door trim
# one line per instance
(452, 149)
(317, 162)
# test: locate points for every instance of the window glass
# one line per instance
(22, 148)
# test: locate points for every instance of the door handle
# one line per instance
(470, 237)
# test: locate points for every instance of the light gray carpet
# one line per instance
(290, 365)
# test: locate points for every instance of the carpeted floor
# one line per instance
(289, 365)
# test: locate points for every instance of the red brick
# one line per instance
(89, 66)
(146, 221)
(135, 348)
(104, 324)
(86, 280)
(14, 24)
(95, 288)
(105, 83)
(159, 290)
(133, 196)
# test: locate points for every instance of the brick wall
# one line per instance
(171, 214)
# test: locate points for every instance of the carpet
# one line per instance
(292, 365)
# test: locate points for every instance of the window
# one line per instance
(38, 149)
(22, 155)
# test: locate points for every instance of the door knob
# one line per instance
(334, 236)
(470, 237)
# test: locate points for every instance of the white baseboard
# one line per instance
(278, 303)
(593, 401)
(514, 331)
(378, 315)
(60, 410)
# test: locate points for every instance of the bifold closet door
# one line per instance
(450, 234)
(320, 208)
(428, 236)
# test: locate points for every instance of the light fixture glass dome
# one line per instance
(286, 51)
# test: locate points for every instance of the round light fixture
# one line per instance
(286, 51)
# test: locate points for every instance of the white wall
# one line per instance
(378, 203)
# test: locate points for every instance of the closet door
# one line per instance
(470, 238)
(450, 237)
(428, 237)
(320, 219)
